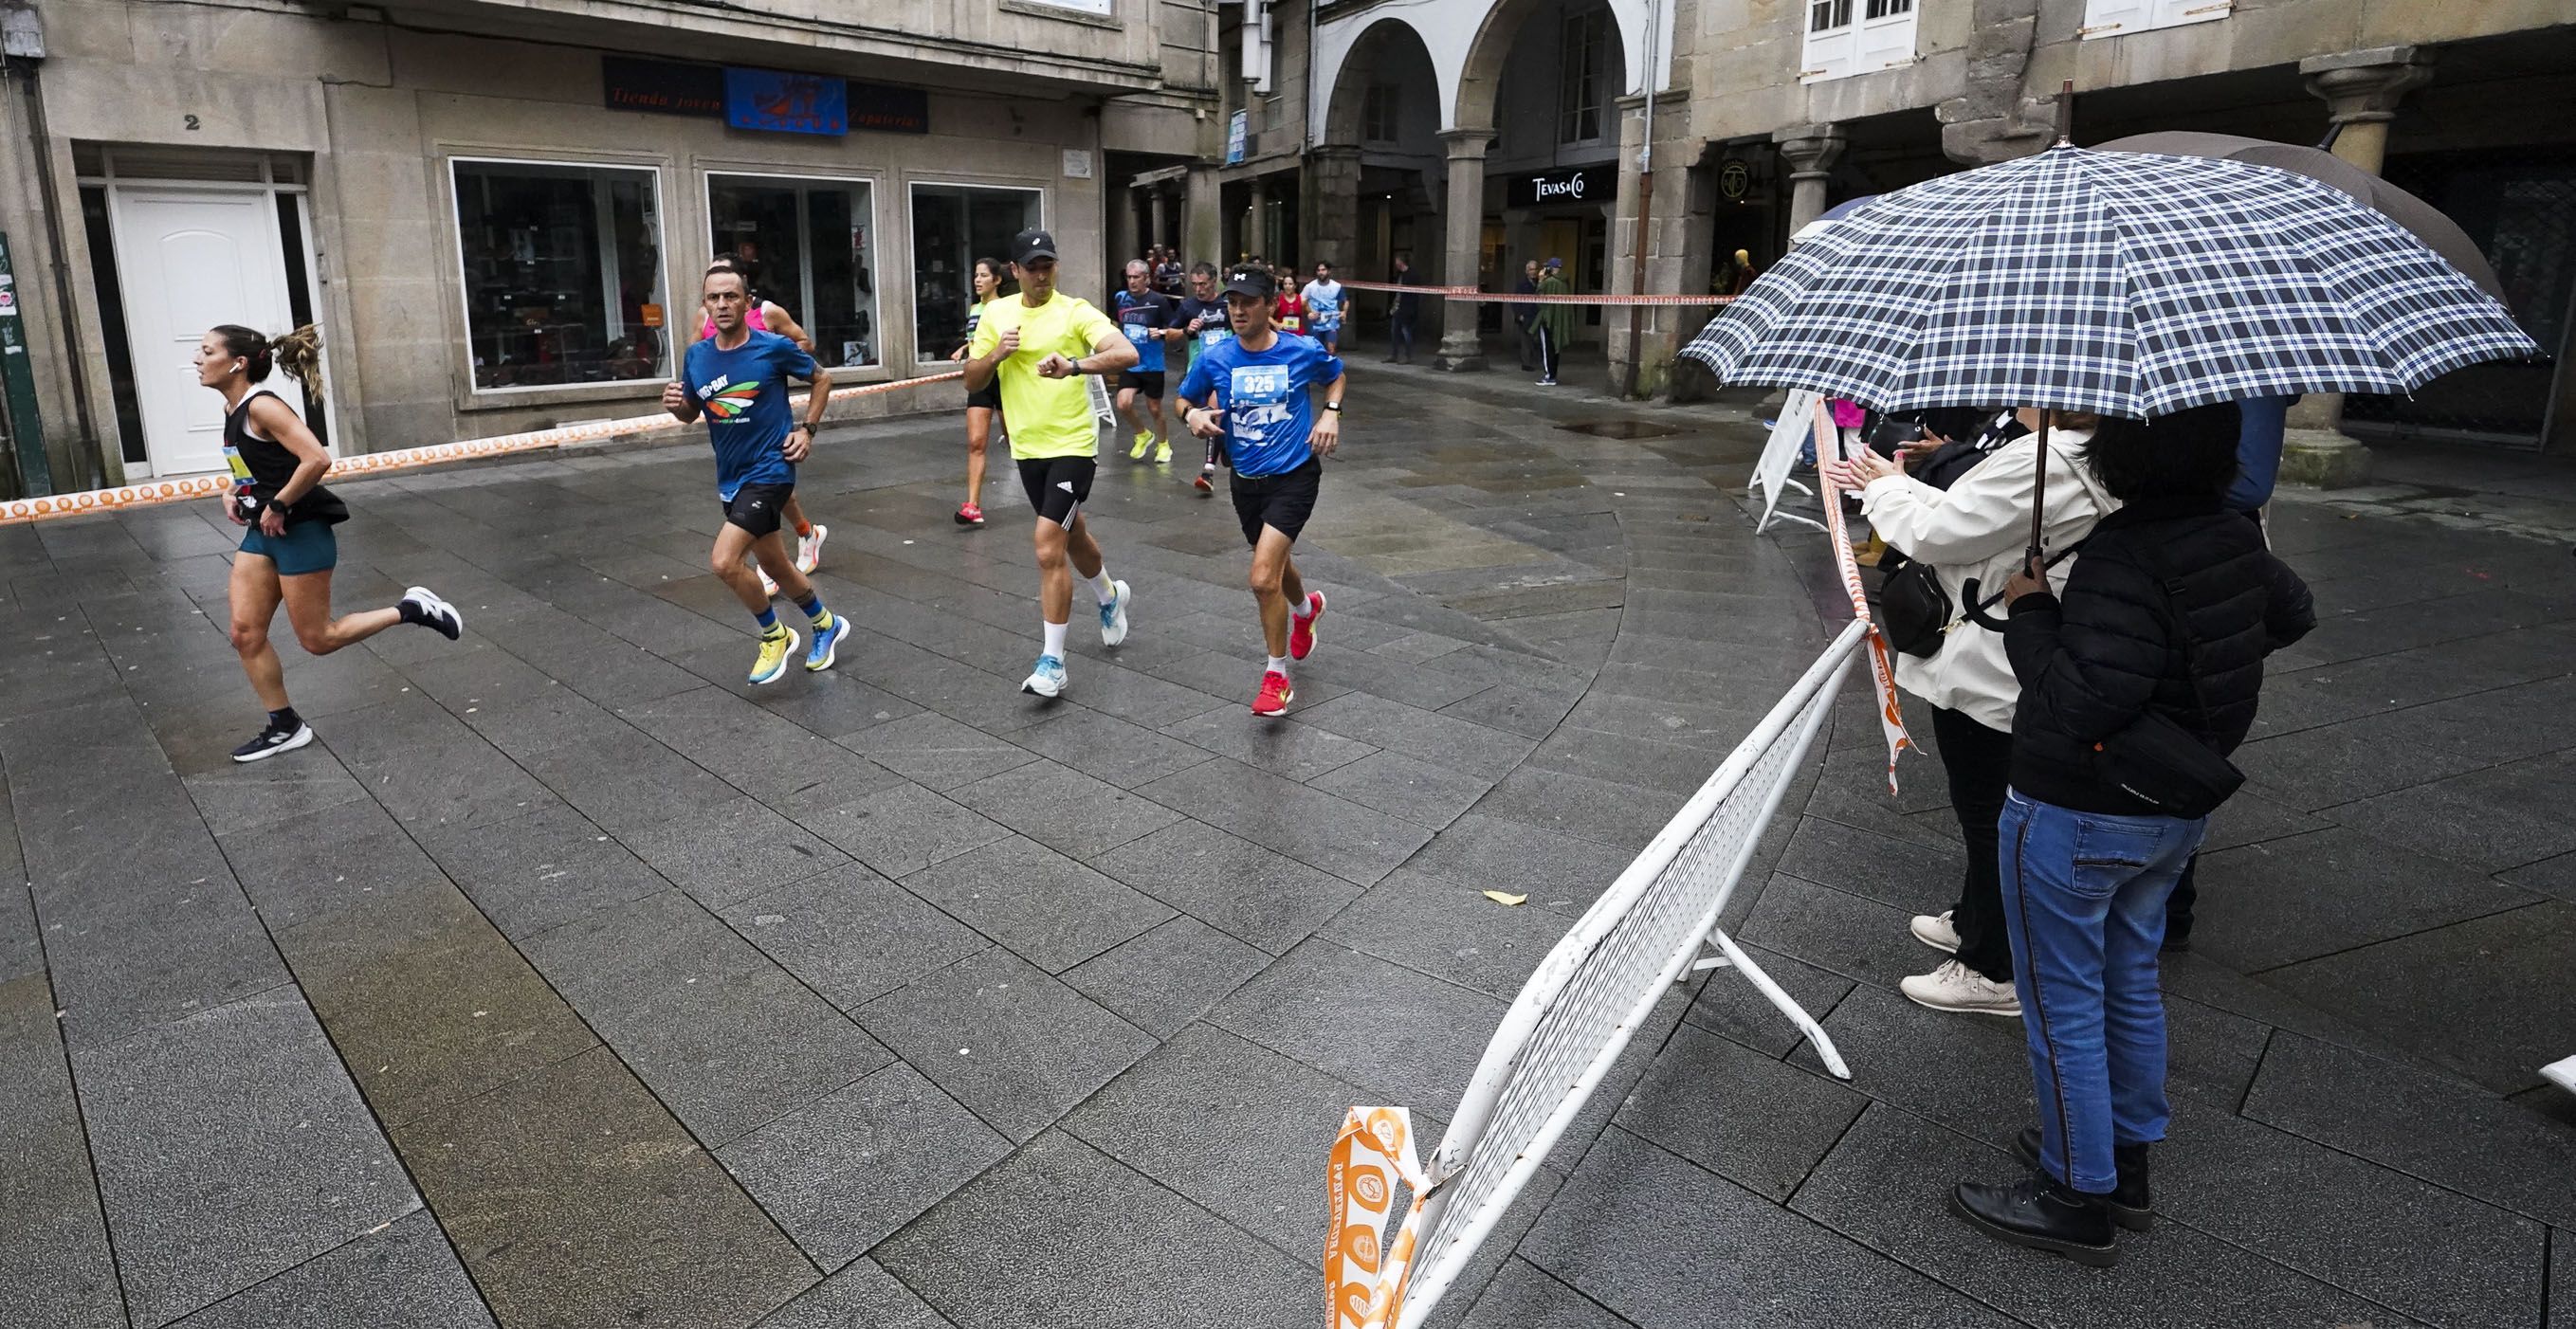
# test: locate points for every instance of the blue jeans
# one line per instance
(2084, 900)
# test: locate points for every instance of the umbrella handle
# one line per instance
(1975, 608)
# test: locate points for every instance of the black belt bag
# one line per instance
(1915, 613)
(2153, 758)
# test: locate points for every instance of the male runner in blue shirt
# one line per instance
(1145, 315)
(737, 381)
(1257, 392)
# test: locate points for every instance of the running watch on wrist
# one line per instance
(1333, 406)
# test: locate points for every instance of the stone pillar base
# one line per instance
(1461, 354)
(2323, 460)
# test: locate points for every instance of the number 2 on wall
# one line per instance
(191, 121)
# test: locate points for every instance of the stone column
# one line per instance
(1811, 151)
(1121, 240)
(1256, 230)
(1333, 191)
(1159, 207)
(1461, 347)
(1203, 221)
(2361, 90)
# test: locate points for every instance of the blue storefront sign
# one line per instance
(785, 103)
(1236, 136)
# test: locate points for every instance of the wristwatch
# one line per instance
(1333, 406)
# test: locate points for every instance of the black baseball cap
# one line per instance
(1255, 283)
(1031, 244)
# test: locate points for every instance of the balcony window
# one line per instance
(562, 273)
(1847, 37)
(1580, 84)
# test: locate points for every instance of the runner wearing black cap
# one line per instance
(1034, 348)
(1256, 391)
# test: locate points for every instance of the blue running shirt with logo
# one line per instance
(1269, 410)
(1140, 316)
(743, 393)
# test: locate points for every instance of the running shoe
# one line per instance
(827, 642)
(768, 584)
(1301, 630)
(1547, 382)
(773, 656)
(1144, 443)
(1275, 694)
(274, 739)
(1047, 680)
(969, 514)
(1206, 482)
(1113, 617)
(809, 548)
(431, 612)
(1162, 452)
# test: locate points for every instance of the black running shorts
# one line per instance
(759, 508)
(1057, 486)
(1284, 500)
(1149, 382)
(988, 396)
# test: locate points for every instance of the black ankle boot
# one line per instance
(2130, 1204)
(2042, 1215)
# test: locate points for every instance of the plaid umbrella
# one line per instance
(2122, 283)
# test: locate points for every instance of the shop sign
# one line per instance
(1579, 184)
(666, 87)
(1237, 136)
(779, 102)
(889, 110)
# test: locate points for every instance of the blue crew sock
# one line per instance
(768, 619)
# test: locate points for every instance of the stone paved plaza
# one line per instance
(568, 981)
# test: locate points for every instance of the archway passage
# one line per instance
(1375, 177)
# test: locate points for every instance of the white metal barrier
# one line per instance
(1592, 992)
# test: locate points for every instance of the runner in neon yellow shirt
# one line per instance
(1035, 348)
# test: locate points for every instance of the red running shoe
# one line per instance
(969, 514)
(1275, 694)
(1206, 483)
(1301, 631)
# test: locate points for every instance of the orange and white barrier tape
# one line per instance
(1478, 294)
(152, 492)
(1364, 1279)
(1882, 672)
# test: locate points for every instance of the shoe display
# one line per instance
(2042, 1215)
(827, 642)
(970, 514)
(1956, 987)
(772, 660)
(1113, 616)
(1047, 680)
(809, 548)
(1936, 931)
(2130, 1203)
(1275, 694)
(1301, 631)
(273, 740)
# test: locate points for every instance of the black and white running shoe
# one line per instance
(275, 739)
(422, 605)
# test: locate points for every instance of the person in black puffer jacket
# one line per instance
(2087, 866)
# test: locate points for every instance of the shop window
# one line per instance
(952, 226)
(563, 273)
(809, 246)
(1580, 86)
(2117, 18)
(1847, 37)
(1381, 113)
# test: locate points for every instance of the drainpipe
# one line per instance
(1645, 200)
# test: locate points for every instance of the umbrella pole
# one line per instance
(2039, 492)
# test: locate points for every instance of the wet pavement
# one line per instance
(567, 980)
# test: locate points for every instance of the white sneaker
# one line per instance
(768, 584)
(809, 548)
(1956, 987)
(1936, 931)
(1113, 617)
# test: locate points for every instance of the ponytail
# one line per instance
(299, 352)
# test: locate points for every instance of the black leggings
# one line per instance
(1979, 762)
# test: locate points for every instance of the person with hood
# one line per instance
(1976, 531)
(1555, 322)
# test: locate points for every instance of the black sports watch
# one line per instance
(1333, 406)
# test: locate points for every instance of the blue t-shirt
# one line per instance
(743, 393)
(1268, 410)
(1140, 316)
(2258, 451)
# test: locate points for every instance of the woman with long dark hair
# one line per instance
(983, 405)
(287, 548)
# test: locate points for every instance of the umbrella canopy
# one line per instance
(2421, 219)
(2122, 283)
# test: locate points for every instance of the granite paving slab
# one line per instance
(1739, 1114)
(402, 1277)
(1523, 1296)
(1341, 837)
(1304, 1005)
(1494, 854)
(1163, 979)
(851, 935)
(861, 1293)
(2498, 1030)
(997, 1034)
(1265, 899)
(1053, 911)
(53, 1248)
(1065, 809)
(901, 830)
(540, 871)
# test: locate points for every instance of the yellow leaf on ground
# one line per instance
(1499, 897)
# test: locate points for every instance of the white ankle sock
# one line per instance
(1102, 588)
(1055, 640)
(1305, 608)
(1278, 665)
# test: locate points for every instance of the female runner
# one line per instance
(288, 550)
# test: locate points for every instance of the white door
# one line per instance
(189, 259)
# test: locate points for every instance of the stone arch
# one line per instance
(1355, 62)
(1478, 80)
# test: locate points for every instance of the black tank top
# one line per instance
(263, 466)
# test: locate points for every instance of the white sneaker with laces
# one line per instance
(1956, 987)
(1936, 931)
(809, 548)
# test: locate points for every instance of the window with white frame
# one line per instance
(2118, 18)
(562, 266)
(808, 245)
(1580, 99)
(1847, 37)
(1101, 7)
(952, 226)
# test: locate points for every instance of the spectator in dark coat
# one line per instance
(1401, 314)
(1525, 316)
(2171, 610)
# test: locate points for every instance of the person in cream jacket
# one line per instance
(1977, 530)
